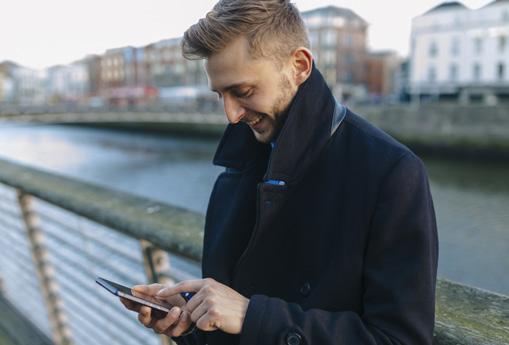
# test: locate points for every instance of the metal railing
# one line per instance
(58, 234)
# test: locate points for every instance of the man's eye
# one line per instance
(243, 94)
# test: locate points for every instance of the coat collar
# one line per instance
(302, 138)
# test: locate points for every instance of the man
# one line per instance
(321, 230)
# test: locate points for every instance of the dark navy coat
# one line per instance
(345, 252)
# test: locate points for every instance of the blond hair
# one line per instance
(273, 28)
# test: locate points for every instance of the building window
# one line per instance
(329, 57)
(478, 45)
(349, 40)
(314, 21)
(329, 38)
(433, 49)
(348, 77)
(501, 71)
(349, 59)
(453, 72)
(339, 22)
(477, 72)
(455, 46)
(313, 39)
(502, 43)
(432, 74)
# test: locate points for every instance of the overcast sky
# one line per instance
(41, 33)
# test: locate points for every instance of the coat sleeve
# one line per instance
(399, 276)
(195, 338)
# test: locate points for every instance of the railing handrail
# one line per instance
(465, 315)
(169, 227)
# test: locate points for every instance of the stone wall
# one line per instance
(455, 129)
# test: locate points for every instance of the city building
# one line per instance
(461, 54)
(383, 76)
(178, 81)
(338, 38)
(121, 77)
(67, 84)
(6, 82)
(28, 86)
(93, 66)
(168, 68)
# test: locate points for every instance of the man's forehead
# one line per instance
(222, 78)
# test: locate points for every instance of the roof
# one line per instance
(335, 12)
(497, 2)
(8, 63)
(449, 5)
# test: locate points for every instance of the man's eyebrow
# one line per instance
(229, 87)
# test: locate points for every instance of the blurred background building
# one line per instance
(457, 55)
(338, 39)
(384, 76)
(6, 82)
(460, 54)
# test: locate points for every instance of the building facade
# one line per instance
(67, 84)
(338, 38)
(383, 76)
(6, 82)
(461, 54)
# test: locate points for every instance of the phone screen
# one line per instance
(159, 308)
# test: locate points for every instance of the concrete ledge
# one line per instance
(464, 315)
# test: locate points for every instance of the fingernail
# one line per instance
(137, 287)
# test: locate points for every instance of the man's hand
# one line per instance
(174, 324)
(214, 306)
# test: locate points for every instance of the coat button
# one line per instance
(305, 289)
(268, 203)
(293, 338)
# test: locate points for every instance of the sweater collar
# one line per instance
(303, 136)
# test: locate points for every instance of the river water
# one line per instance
(471, 198)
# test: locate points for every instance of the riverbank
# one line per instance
(453, 131)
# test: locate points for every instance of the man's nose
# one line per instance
(233, 109)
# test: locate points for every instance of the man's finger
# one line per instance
(185, 286)
(130, 304)
(144, 316)
(151, 289)
(195, 301)
(205, 323)
(183, 324)
(169, 320)
(199, 312)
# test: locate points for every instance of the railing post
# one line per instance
(157, 268)
(45, 272)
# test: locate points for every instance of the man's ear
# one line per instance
(302, 61)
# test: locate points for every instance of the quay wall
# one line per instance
(444, 129)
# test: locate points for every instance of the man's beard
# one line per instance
(280, 108)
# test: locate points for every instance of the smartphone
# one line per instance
(159, 308)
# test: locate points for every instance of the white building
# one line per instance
(6, 88)
(460, 53)
(28, 86)
(67, 83)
